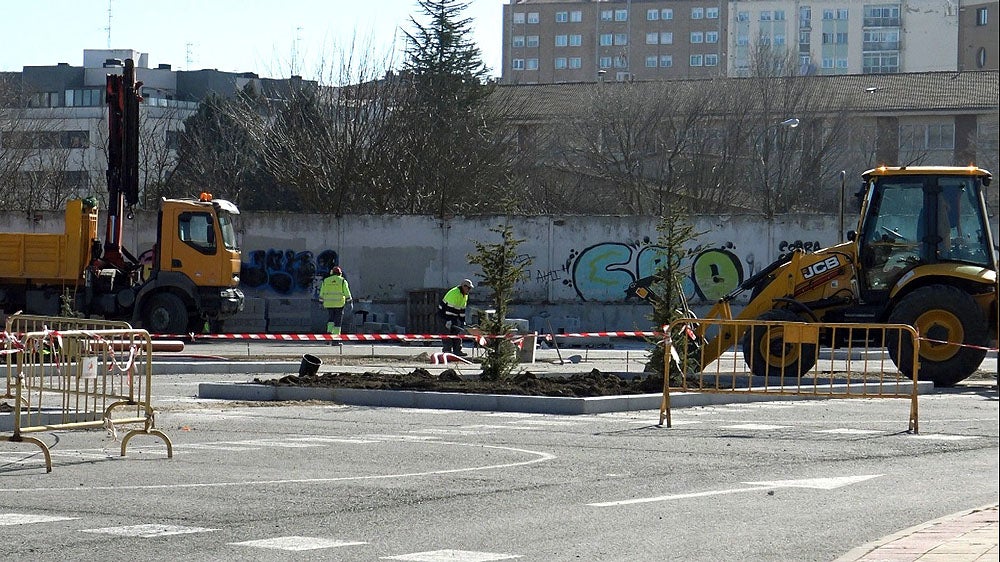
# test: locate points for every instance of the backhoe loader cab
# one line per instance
(923, 255)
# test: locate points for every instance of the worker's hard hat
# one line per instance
(467, 283)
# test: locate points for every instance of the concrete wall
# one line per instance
(579, 270)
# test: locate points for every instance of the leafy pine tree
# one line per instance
(502, 268)
(675, 232)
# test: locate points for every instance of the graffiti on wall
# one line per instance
(286, 271)
(604, 271)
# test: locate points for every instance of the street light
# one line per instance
(763, 152)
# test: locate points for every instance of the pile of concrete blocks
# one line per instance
(251, 320)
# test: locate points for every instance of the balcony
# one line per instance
(880, 46)
(881, 22)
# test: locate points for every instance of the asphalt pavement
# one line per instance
(966, 536)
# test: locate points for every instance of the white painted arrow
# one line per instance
(815, 483)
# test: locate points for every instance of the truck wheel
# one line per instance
(165, 314)
(767, 354)
(939, 313)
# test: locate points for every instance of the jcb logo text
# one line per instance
(821, 267)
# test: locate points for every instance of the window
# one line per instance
(695, 60)
(652, 38)
(711, 60)
(711, 36)
(712, 13)
(605, 62)
(84, 98)
(697, 13)
(666, 61)
(562, 40)
(621, 61)
(842, 13)
(805, 16)
(666, 37)
(743, 16)
(607, 15)
(575, 40)
(576, 16)
(804, 38)
(517, 64)
(697, 37)
(842, 38)
(779, 38)
(562, 17)
(518, 17)
(621, 15)
(841, 63)
(532, 17)
(531, 41)
(651, 61)
(982, 16)
(779, 15)
(765, 15)
(606, 39)
(652, 15)
(531, 64)
(828, 14)
(621, 38)
(742, 40)
(560, 63)
(827, 62)
(517, 41)
(575, 62)
(667, 14)
(198, 231)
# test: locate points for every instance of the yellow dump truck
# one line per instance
(189, 277)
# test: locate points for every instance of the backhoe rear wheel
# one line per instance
(165, 314)
(768, 355)
(940, 313)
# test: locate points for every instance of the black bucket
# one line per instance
(310, 365)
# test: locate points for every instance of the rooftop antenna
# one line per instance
(108, 28)
(188, 55)
(295, 50)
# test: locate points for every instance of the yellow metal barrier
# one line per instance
(18, 324)
(783, 358)
(83, 379)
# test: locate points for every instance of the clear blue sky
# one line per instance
(230, 35)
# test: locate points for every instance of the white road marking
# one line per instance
(522, 427)
(24, 518)
(336, 440)
(759, 426)
(539, 457)
(442, 431)
(213, 447)
(448, 555)
(848, 431)
(815, 483)
(547, 422)
(943, 437)
(297, 543)
(149, 531)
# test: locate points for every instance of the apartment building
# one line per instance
(978, 35)
(554, 41)
(59, 138)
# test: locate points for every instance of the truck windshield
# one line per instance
(228, 230)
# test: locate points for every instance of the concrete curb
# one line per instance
(490, 402)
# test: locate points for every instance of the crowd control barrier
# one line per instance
(16, 324)
(81, 379)
(812, 359)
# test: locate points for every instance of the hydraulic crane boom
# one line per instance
(123, 100)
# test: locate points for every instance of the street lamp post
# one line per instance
(760, 144)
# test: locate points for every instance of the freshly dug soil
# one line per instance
(594, 383)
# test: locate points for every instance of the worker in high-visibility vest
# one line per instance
(335, 293)
(451, 310)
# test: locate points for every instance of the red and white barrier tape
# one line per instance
(395, 337)
(959, 344)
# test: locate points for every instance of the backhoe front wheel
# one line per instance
(768, 354)
(165, 314)
(943, 316)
